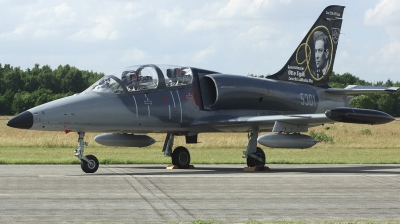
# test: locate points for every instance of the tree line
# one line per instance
(21, 90)
(389, 103)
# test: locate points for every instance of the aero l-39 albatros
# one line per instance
(187, 101)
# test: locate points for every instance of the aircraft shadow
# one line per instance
(220, 170)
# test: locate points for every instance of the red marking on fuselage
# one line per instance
(192, 97)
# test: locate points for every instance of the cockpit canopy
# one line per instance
(143, 77)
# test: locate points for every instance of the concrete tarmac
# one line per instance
(153, 194)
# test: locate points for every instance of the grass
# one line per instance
(301, 222)
(151, 155)
(340, 143)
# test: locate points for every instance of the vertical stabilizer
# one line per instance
(312, 61)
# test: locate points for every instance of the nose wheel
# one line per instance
(91, 165)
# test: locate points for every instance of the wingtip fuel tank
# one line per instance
(358, 116)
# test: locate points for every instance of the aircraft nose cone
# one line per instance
(23, 120)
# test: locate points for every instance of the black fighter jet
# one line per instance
(181, 100)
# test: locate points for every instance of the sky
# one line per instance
(228, 36)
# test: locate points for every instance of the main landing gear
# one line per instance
(255, 155)
(89, 163)
(180, 156)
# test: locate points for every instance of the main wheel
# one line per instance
(252, 162)
(90, 167)
(181, 157)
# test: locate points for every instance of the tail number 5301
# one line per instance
(307, 99)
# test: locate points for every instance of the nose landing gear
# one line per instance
(89, 163)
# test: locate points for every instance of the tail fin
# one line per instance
(312, 61)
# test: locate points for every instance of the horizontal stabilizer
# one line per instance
(355, 90)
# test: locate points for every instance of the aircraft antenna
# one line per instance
(250, 69)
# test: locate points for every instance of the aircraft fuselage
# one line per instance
(174, 109)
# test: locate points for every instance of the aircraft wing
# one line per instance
(355, 90)
(265, 122)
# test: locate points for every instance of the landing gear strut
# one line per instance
(169, 142)
(180, 155)
(255, 155)
(89, 163)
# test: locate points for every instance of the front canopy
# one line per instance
(143, 77)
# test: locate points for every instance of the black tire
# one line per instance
(251, 162)
(181, 157)
(90, 167)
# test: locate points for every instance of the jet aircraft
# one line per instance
(186, 101)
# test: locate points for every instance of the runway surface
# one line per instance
(150, 193)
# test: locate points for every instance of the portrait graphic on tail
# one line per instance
(315, 55)
(312, 61)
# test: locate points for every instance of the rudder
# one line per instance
(312, 61)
